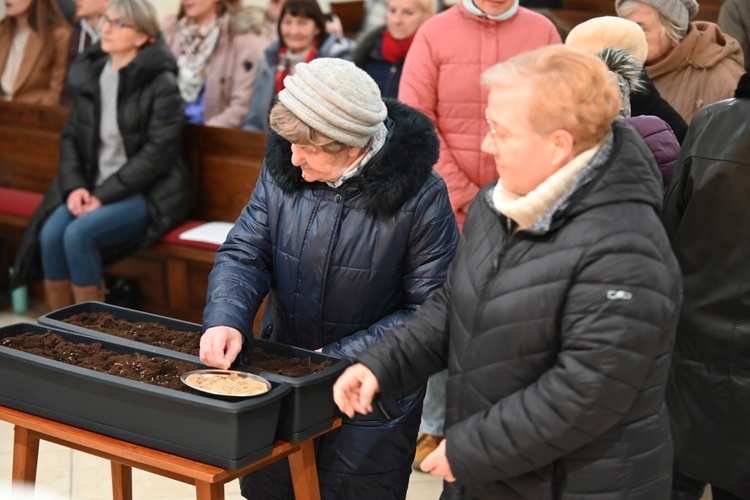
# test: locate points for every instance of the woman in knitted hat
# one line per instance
(693, 64)
(302, 38)
(217, 54)
(557, 318)
(348, 232)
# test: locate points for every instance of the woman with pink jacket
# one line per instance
(440, 79)
(217, 45)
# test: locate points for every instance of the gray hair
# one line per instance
(290, 127)
(668, 28)
(139, 14)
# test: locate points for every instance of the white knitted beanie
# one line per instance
(680, 12)
(336, 98)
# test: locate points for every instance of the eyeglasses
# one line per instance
(116, 24)
(491, 128)
(501, 139)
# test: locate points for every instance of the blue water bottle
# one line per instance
(19, 298)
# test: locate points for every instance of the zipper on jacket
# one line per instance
(497, 261)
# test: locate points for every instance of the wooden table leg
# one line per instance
(304, 472)
(122, 481)
(25, 454)
(209, 491)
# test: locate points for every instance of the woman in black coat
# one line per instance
(348, 232)
(557, 319)
(706, 216)
(122, 182)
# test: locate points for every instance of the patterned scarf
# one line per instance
(198, 44)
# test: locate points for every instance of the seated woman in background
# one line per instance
(381, 53)
(333, 22)
(302, 38)
(33, 43)
(217, 45)
(122, 182)
(87, 31)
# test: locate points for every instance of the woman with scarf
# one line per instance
(302, 38)
(382, 52)
(217, 45)
(557, 319)
(347, 232)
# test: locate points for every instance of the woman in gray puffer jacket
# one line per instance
(557, 319)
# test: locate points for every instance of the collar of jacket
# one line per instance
(623, 172)
(152, 60)
(704, 46)
(394, 175)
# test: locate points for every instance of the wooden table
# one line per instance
(208, 479)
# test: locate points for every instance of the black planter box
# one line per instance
(55, 320)
(307, 410)
(226, 432)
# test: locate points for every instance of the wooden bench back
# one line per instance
(225, 164)
(29, 145)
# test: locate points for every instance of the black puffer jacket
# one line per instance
(707, 217)
(557, 343)
(151, 121)
(343, 267)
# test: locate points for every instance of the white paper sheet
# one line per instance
(210, 232)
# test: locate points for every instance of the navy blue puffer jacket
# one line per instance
(341, 268)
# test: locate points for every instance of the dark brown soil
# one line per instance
(156, 371)
(154, 334)
(290, 367)
(158, 335)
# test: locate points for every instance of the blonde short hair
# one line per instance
(287, 125)
(568, 88)
(668, 28)
(140, 14)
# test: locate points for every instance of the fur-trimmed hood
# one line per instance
(394, 175)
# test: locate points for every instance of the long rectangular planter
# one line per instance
(226, 432)
(309, 407)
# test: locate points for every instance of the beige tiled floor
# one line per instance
(64, 474)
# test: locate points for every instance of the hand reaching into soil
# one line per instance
(220, 346)
(355, 389)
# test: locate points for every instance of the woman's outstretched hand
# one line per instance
(354, 390)
(220, 345)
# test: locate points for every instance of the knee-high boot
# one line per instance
(88, 293)
(58, 294)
